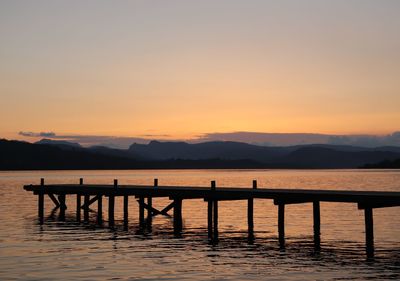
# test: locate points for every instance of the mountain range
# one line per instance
(51, 154)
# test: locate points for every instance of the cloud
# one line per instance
(265, 139)
(287, 139)
(41, 134)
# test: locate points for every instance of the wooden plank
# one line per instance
(227, 193)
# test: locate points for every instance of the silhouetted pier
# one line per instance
(366, 200)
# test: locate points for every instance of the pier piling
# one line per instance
(317, 225)
(369, 232)
(41, 201)
(281, 225)
(100, 209)
(250, 216)
(177, 215)
(126, 207)
(86, 199)
(141, 211)
(63, 206)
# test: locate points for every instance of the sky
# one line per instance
(184, 69)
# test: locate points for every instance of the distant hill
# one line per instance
(59, 143)
(47, 154)
(386, 164)
(302, 156)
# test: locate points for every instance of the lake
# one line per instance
(68, 250)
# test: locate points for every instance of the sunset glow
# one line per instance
(184, 68)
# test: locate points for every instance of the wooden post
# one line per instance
(126, 202)
(41, 202)
(369, 232)
(78, 207)
(150, 206)
(86, 199)
(210, 219)
(141, 211)
(281, 225)
(99, 209)
(215, 230)
(63, 206)
(215, 214)
(177, 215)
(111, 203)
(78, 203)
(317, 225)
(250, 217)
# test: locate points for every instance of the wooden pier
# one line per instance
(366, 200)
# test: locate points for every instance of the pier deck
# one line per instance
(366, 200)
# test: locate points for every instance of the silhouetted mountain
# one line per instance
(156, 150)
(17, 155)
(386, 164)
(302, 156)
(180, 155)
(322, 157)
(21, 155)
(59, 143)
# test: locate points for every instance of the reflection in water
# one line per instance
(63, 248)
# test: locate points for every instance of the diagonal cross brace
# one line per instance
(54, 199)
(91, 201)
(154, 211)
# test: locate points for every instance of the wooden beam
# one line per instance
(54, 199)
(291, 201)
(374, 205)
(166, 209)
(90, 202)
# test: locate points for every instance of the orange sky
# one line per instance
(185, 68)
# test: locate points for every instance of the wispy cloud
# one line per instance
(41, 134)
(267, 139)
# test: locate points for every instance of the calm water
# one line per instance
(67, 250)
